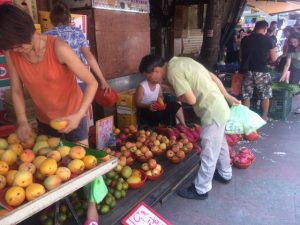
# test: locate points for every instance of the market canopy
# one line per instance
(274, 7)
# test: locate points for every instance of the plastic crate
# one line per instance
(280, 105)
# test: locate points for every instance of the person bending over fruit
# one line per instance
(195, 85)
(149, 100)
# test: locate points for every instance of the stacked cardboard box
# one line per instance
(126, 110)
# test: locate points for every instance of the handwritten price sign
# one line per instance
(103, 129)
(143, 214)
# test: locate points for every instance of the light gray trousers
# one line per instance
(215, 154)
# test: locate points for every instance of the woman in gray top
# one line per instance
(293, 63)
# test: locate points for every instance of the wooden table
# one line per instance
(30, 208)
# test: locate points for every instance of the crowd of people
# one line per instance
(255, 50)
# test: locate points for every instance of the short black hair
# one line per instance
(60, 14)
(261, 25)
(273, 22)
(149, 62)
(16, 27)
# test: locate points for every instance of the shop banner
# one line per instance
(137, 6)
(143, 214)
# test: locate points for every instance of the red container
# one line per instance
(157, 176)
(140, 184)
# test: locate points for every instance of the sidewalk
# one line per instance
(267, 193)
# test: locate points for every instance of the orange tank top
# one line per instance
(52, 85)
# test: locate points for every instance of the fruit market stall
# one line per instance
(24, 211)
(44, 170)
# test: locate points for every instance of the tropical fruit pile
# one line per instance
(29, 169)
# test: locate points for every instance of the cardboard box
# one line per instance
(77, 20)
(125, 120)
(38, 28)
(124, 110)
(126, 100)
(28, 6)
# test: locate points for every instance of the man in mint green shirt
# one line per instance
(195, 85)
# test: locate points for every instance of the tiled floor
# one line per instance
(267, 193)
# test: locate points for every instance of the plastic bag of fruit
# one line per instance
(243, 121)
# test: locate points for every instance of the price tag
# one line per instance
(103, 129)
(143, 214)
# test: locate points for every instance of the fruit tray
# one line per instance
(176, 160)
(157, 176)
(242, 166)
(27, 209)
(140, 184)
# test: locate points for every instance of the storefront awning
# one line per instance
(273, 7)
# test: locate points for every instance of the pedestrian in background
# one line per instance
(61, 18)
(257, 50)
(292, 63)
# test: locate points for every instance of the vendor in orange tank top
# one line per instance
(45, 66)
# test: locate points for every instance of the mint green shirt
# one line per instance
(185, 74)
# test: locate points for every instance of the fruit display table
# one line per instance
(156, 192)
(24, 211)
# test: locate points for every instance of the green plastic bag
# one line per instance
(97, 190)
(243, 121)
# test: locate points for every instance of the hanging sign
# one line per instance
(143, 214)
(103, 130)
(138, 6)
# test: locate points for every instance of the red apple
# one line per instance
(145, 166)
(152, 163)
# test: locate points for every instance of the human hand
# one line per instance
(232, 100)
(24, 131)
(105, 86)
(283, 78)
(72, 122)
(153, 107)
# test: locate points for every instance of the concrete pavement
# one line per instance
(267, 193)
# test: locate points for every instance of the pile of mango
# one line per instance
(29, 169)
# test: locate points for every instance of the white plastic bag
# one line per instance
(243, 121)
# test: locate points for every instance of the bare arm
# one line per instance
(273, 55)
(66, 55)
(286, 68)
(95, 67)
(230, 99)
(188, 98)
(24, 129)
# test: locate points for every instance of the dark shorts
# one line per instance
(160, 117)
(260, 81)
(79, 134)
